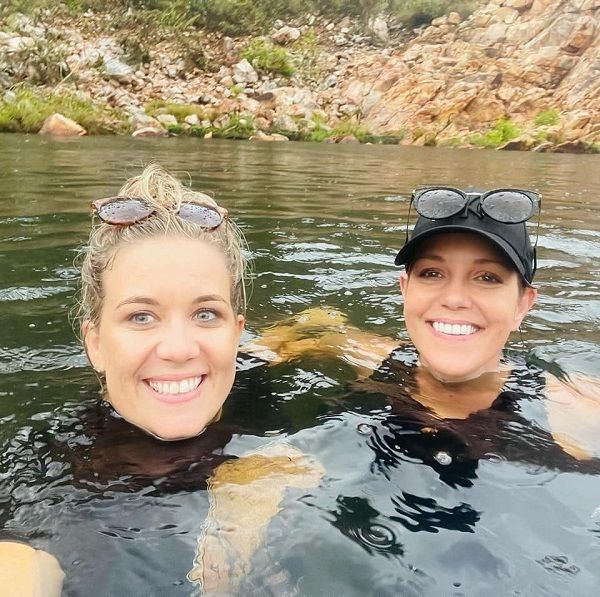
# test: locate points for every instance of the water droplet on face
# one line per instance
(364, 428)
(443, 458)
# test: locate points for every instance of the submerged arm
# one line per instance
(322, 332)
(245, 495)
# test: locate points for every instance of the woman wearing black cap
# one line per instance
(469, 267)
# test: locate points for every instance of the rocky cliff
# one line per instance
(517, 74)
(510, 59)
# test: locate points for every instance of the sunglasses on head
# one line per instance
(127, 211)
(507, 206)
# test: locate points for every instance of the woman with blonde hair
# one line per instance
(160, 315)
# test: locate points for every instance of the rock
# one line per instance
(378, 28)
(117, 70)
(14, 45)
(58, 125)
(454, 18)
(519, 5)
(348, 139)
(260, 136)
(577, 119)
(141, 120)
(506, 15)
(576, 146)
(243, 72)
(522, 143)
(10, 97)
(150, 131)
(167, 119)
(286, 35)
(192, 119)
(284, 122)
(208, 135)
(581, 35)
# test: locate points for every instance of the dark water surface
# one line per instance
(495, 508)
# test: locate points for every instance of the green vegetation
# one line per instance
(180, 111)
(263, 55)
(238, 126)
(28, 109)
(504, 131)
(240, 17)
(546, 118)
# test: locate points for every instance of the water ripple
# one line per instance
(30, 293)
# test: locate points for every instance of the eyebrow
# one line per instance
(145, 300)
(482, 261)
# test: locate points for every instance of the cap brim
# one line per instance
(405, 255)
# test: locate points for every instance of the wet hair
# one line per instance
(165, 194)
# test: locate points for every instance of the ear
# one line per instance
(403, 282)
(91, 344)
(526, 301)
(241, 321)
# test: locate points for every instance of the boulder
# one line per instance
(260, 136)
(150, 131)
(167, 119)
(117, 70)
(58, 125)
(243, 72)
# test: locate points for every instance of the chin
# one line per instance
(448, 373)
(172, 435)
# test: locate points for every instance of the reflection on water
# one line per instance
(402, 509)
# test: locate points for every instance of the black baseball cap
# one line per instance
(512, 240)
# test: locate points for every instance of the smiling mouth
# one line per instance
(454, 329)
(175, 388)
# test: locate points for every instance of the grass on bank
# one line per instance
(26, 111)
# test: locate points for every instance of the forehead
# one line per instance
(467, 245)
(166, 266)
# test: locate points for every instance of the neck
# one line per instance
(458, 400)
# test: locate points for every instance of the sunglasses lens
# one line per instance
(510, 207)
(124, 211)
(204, 216)
(436, 204)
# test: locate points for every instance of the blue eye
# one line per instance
(205, 315)
(141, 318)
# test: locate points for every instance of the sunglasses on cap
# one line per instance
(506, 206)
(127, 211)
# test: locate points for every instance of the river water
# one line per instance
(323, 224)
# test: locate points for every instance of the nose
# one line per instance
(456, 294)
(178, 341)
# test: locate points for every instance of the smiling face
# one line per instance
(461, 301)
(167, 336)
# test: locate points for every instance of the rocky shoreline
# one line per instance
(516, 74)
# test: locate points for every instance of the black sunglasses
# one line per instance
(127, 211)
(507, 206)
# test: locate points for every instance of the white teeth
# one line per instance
(454, 329)
(175, 387)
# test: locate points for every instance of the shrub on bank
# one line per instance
(265, 56)
(504, 130)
